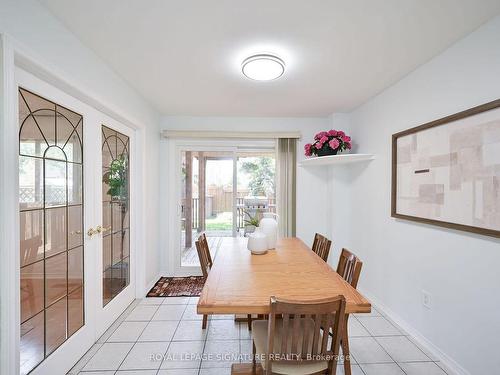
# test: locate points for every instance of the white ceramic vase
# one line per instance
(269, 226)
(257, 242)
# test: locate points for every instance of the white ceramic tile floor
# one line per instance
(163, 336)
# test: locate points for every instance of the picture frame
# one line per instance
(457, 187)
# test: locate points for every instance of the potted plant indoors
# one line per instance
(328, 142)
(251, 223)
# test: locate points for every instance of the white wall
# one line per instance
(312, 187)
(36, 30)
(460, 270)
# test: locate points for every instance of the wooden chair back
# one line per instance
(204, 254)
(349, 267)
(301, 331)
(321, 246)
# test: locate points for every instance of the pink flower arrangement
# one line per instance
(328, 143)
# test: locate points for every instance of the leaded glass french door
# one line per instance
(51, 226)
(115, 213)
(74, 223)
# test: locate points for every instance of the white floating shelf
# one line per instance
(336, 159)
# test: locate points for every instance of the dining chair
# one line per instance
(349, 267)
(291, 340)
(321, 246)
(206, 265)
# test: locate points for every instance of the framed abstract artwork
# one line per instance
(447, 172)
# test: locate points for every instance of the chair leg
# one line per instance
(204, 323)
(249, 318)
(345, 349)
(254, 354)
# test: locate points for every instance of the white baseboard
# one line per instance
(448, 363)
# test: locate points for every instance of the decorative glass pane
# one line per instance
(126, 243)
(118, 215)
(55, 153)
(75, 269)
(46, 121)
(24, 112)
(75, 310)
(115, 189)
(73, 148)
(75, 226)
(56, 317)
(106, 252)
(31, 246)
(75, 183)
(30, 183)
(64, 130)
(107, 289)
(55, 231)
(55, 278)
(126, 270)
(119, 272)
(35, 102)
(121, 144)
(55, 183)
(32, 141)
(117, 247)
(126, 216)
(32, 343)
(106, 216)
(109, 142)
(31, 290)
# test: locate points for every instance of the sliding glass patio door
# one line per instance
(207, 200)
(220, 191)
(74, 220)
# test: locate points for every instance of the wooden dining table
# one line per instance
(242, 283)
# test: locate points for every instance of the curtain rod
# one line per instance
(228, 134)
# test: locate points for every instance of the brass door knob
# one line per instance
(91, 232)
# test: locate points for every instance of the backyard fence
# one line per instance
(209, 211)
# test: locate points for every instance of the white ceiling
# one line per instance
(184, 56)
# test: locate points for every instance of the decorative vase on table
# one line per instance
(257, 242)
(269, 226)
(327, 143)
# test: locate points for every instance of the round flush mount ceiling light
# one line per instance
(263, 67)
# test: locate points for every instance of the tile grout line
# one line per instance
(133, 346)
(209, 322)
(378, 343)
(173, 335)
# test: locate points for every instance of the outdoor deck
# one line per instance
(189, 256)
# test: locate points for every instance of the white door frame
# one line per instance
(14, 55)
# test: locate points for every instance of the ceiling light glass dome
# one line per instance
(263, 67)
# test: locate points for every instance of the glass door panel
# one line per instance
(115, 212)
(206, 201)
(256, 187)
(51, 226)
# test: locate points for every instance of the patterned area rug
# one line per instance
(178, 287)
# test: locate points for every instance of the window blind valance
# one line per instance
(228, 134)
